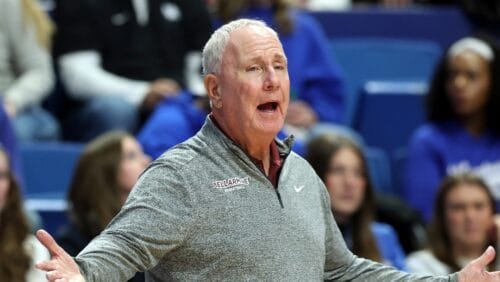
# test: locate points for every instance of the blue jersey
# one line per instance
(439, 149)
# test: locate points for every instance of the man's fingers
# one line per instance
(43, 265)
(46, 265)
(485, 258)
(52, 275)
(495, 274)
(48, 241)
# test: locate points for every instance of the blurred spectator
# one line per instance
(119, 59)
(19, 250)
(104, 176)
(463, 129)
(461, 228)
(341, 165)
(323, 5)
(8, 141)
(26, 75)
(387, 3)
(173, 121)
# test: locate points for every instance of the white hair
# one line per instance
(214, 48)
(472, 44)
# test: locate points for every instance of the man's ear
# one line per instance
(212, 86)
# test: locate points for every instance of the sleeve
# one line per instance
(422, 172)
(31, 60)
(83, 75)
(342, 265)
(156, 219)
(415, 264)
(323, 81)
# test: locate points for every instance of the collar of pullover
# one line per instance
(277, 155)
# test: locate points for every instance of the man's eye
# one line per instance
(279, 67)
(253, 68)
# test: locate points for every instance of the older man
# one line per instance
(231, 203)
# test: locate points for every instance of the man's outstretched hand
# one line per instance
(476, 269)
(61, 267)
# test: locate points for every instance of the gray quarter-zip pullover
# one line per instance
(204, 211)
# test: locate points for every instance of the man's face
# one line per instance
(253, 85)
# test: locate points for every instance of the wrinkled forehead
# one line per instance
(250, 39)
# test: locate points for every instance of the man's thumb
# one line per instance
(485, 258)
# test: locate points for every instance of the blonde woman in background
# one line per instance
(19, 250)
(462, 226)
(26, 74)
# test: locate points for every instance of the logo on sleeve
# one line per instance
(231, 184)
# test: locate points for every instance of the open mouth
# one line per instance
(268, 107)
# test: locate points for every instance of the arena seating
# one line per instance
(364, 59)
(47, 171)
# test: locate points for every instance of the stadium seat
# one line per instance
(48, 168)
(379, 167)
(388, 113)
(364, 59)
(398, 163)
(441, 24)
(47, 171)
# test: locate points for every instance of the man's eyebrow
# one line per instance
(280, 57)
(276, 57)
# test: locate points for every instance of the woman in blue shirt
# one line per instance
(463, 129)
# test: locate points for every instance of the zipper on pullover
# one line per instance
(279, 198)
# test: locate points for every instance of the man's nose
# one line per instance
(271, 80)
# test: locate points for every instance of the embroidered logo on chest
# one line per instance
(231, 184)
